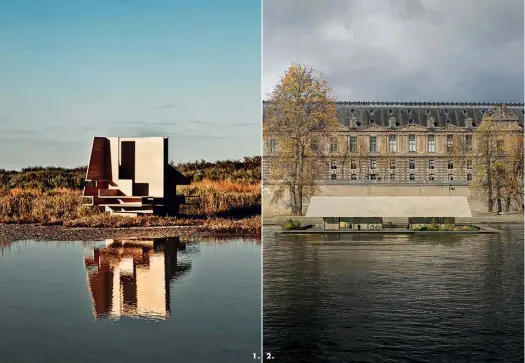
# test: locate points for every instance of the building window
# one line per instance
(450, 176)
(333, 144)
(431, 144)
(468, 142)
(393, 176)
(469, 164)
(334, 176)
(372, 164)
(431, 176)
(353, 165)
(431, 164)
(412, 176)
(392, 164)
(272, 145)
(499, 145)
(450, 165)
(314, 146)
(373, 144)
(353, 177)
(333, 165)
(469, 176)
(353, 143)
(450, 142)
(392, 143)
(412, 143)
(411, 164)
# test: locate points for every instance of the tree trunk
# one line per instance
(489, 186)
(301, 182)
(507, 206)
(293, 198)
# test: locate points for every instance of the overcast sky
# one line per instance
(400, 50)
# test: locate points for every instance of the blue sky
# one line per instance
(71, 70)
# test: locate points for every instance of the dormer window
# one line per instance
(272, 145)
(390, 111)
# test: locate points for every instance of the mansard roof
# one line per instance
(444, 113)
(452, 113)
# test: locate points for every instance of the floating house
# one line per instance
(132, 176)
(367, 213)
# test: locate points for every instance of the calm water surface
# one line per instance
(385, 298)
(138, 301)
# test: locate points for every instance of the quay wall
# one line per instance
(477, 203)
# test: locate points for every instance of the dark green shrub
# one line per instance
(290, 224)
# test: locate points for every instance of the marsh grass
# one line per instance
(219, 202)
(223, 198)
(245, 171)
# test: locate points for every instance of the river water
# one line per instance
(394, 298)
(137, 301)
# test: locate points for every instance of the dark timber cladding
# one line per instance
(404, 113)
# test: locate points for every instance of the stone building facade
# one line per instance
(404, 144)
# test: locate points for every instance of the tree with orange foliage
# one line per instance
(299, 118)
(512, 190)
(499, 166)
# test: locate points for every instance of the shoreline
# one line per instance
(482, 230)
(37, 232)
(488, 219)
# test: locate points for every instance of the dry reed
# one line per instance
(64, 207)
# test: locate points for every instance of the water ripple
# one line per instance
(394, 298)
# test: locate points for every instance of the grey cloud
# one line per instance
(246, 124)
(141, 132)
(35, 142)
(99, 129)
(17, 132)
(403, 50)
(145, 123)
(199, 122)
(166, 106)
(192, 136)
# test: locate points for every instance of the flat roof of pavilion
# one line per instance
(389, 207)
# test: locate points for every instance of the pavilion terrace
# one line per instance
(367, 213)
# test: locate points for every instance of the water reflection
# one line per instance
(131, 277)
(386, 298)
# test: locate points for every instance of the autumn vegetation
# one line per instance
(445, 228)
(291, 224)
(229, 193)
(299, 124)
(300, 118)
(499, 166)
